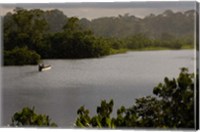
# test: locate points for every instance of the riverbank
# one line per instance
(10, 62)
(120, 51)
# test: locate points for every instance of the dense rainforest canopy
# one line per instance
(51, 34)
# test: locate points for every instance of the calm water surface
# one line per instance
(70, 84)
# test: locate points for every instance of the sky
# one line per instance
(105, 9)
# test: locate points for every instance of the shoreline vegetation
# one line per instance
(121, 51)
(34, 59)
(32, 35)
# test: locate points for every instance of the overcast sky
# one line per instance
(96, 10)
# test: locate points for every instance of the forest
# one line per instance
(35, 34)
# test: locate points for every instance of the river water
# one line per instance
(59, 92)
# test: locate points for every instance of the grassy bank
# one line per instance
(121, 51)
(150, 48)
(118, 51)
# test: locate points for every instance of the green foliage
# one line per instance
(142, 42)
(21, 56)
(177, 98)
(138, 41)
(72, 24)
(29, 28)
(84, 119)
(24, 28)
(102, 119)
(51, 34)
(172, 108)
(56, 19)
(75, 42)
(27, 117)
(178, 24)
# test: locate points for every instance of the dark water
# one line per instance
(70, 84)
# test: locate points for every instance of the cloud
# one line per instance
(95, 10)
(172, 4)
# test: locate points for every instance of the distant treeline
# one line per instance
(177, 24)
(33, 34)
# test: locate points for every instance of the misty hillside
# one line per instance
(169, 23)
(155, 26)
(178, 24)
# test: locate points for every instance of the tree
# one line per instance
(102, 119)
(56, 19)
(72, 24)
(138, 41)
(25, 28)
(172, 108)
(75, 42)
(177, 96)
(27, 117)
(21, 56)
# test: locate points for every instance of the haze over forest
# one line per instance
(105, 9)
(51, 33)
(180, 23)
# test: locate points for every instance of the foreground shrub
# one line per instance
(27, 117)
(172, 108)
